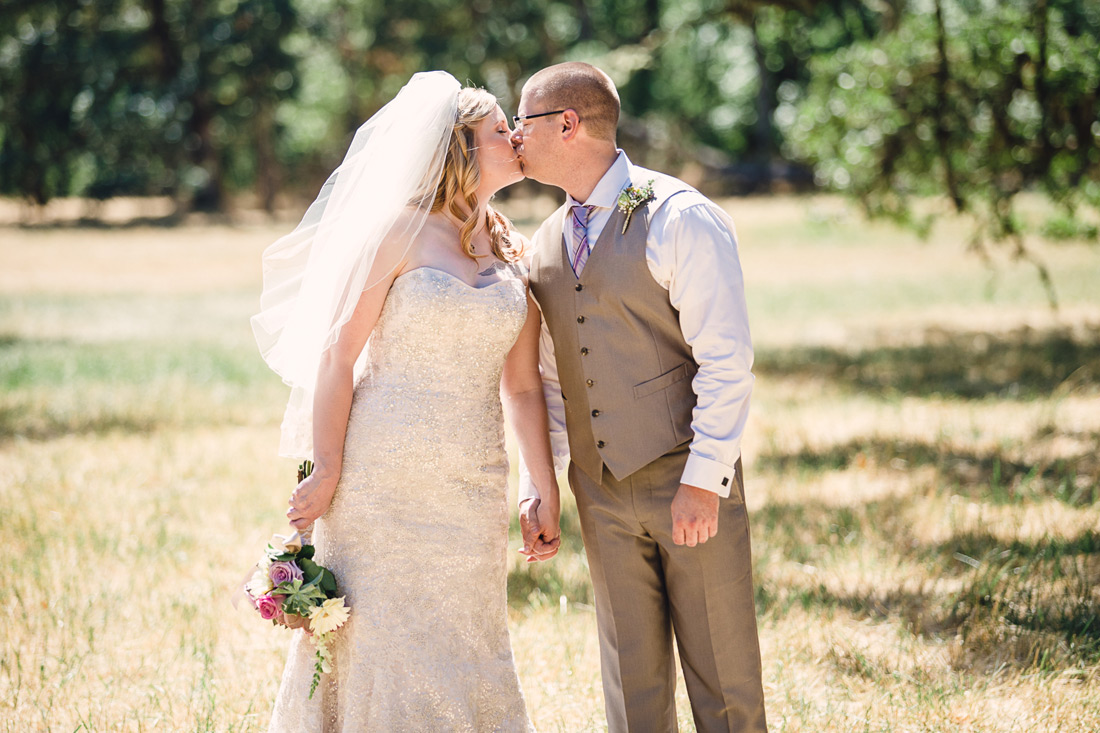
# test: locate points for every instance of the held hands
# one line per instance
(538, 523)
(309, 501)
(694, 515)
(296, 622)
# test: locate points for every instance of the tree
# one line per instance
(885, 99)
(975, 101)
(160, 97)
(46, 51)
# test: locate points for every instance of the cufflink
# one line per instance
(726, 481)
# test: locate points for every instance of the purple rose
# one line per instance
(270, 606)
(284, 572)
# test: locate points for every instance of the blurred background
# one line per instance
(916, 189)
(207, 102)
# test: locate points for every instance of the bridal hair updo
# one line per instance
(462, 175)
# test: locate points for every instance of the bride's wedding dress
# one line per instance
(417, 531)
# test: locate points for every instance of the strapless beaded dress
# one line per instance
(418, 528)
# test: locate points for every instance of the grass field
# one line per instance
(922, 462)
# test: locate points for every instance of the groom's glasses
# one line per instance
(518, 120)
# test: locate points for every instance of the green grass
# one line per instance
(922, 464)
(57, 387)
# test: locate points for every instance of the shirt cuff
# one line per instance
(707, 474)
(526, 489)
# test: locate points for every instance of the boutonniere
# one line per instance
(631, 198)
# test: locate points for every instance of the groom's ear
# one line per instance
(570, 124)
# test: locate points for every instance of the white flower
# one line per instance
(291, 543)
(329, 616)
(631, 198)
(260, 584)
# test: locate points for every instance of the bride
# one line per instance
(398, 313)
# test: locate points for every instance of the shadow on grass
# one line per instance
(997, 615)
(988, 549)
(1044, 587)
(1028, 602)
(166, 221)
(991, 476)
(19, 423)
(1021, 364)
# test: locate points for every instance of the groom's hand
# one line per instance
(694, 515)
(541, 536)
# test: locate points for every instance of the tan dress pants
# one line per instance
(648, 589)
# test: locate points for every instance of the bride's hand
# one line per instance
(296, 622)
(309, 501)
(539, 525)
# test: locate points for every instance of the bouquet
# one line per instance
(289, 589)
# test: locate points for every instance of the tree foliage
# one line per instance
(884, 99)
(120, 96)
(976, 100)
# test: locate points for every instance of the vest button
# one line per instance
(600, 444)
(589, 382)
(595, 413)
(580, 319)
(579, 287)
(584, 351)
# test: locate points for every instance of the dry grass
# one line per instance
(923, 471)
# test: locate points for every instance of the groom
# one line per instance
(646, 357)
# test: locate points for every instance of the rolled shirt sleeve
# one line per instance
(692, 252)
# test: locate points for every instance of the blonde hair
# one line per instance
(462, 175)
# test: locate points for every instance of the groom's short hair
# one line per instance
(581, 87)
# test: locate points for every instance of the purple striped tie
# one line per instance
(581, 249)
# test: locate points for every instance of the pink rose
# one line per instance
(270, 606)
(284, 572)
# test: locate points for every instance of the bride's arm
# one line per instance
(525, 408)
(332, 404)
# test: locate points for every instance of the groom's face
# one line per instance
(535, 138)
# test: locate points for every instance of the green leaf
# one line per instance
(309, 568)
(328, 582)
(300, 597)
(287, 589)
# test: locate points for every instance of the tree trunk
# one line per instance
(267, 168)
(943, 134)
(763, 133)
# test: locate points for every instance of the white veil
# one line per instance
(313, 277)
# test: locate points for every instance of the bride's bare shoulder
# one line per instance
(402, 245)
(424, 234)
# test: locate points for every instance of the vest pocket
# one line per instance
(664, 381)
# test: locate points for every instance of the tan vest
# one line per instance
(624, 367)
